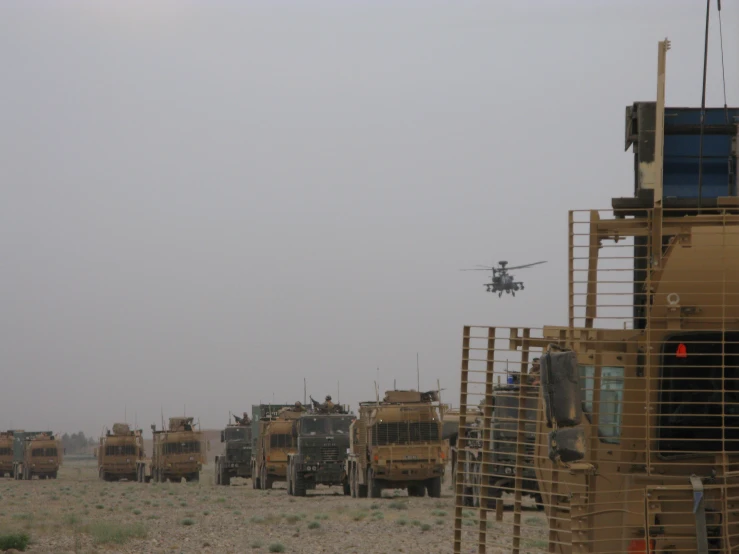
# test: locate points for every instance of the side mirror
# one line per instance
(223, 436)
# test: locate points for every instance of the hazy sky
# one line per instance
(205, 202)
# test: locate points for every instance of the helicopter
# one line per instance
(502, 280)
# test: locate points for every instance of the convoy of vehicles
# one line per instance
(36, 454)
(237, 451)
(397, 443)
(118, 452)
(322, 443)
(177, 452)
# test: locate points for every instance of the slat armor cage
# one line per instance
(654, 323)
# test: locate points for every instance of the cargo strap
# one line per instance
(699, 509)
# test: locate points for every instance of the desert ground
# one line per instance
(79, 513)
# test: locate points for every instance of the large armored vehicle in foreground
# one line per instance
(322, 442)
(237, 451)
(274, 442)
(177, 452)
(6, 454)
(36, 454)
(637, 419)
(397, 443)
(118, 451)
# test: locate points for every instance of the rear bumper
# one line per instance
(406, 472)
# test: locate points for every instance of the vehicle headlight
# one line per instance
(192, 459)
(128, 461)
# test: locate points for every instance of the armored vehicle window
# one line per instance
(313, 426)
(699, 394)
(281, 441)
(340, 425)
(237, 433)
(404, 433)
(43, 452)
(611, 399)
(121, 450)
(192, 447)
(587, 382)
(5, 452)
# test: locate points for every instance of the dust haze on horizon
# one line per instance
(204, 203)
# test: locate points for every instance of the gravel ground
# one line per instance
(79, 513)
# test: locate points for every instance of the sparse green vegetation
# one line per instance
(136, 512)
(359, 516)
(533, 521)
(187, 522)
(276, 547)
(314, 525)
(438, 513)
(107, 532)
(17, 541)
(439, 522)
(99, 506)
(398, 505)
(292, 518)
(425, 527)
(256, 544)
(401, 521)
(375, 506)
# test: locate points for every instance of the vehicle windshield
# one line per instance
(180, 447)
(341, 425)
(313, 426)
(237, 433)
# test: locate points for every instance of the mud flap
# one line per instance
(699, 510)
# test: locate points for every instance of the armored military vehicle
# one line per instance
(118, 451)
(6, 454)
(397, 443)
(274, 442)
(36, 454)
(637, 419)
(237, 451)
(322, 441)
(501, 473)
(177, 452)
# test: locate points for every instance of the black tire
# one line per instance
(433, 486)
(417, 490)
(346, 487)
(298, 484)
(374, 486)
(218, 473)
(361, 489)
(194, 477)
(225, 479)
(255, 481)
(539, 501)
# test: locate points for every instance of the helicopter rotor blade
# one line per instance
(477, 269)
(525, 266)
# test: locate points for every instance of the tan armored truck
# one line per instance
(274, 443)
(117, 453)
(177, 452)
(36, 454)
(6, 454)
(636, 445)
(397, 443)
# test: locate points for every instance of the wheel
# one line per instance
(373, 485)
(433, 486)
(298, 483)
(218, 473)
(361, 489)
(347, 487)
(194, 477)
(225, 479)
(289, 479)
(539, 501)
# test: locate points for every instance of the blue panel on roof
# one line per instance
(682, 153)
